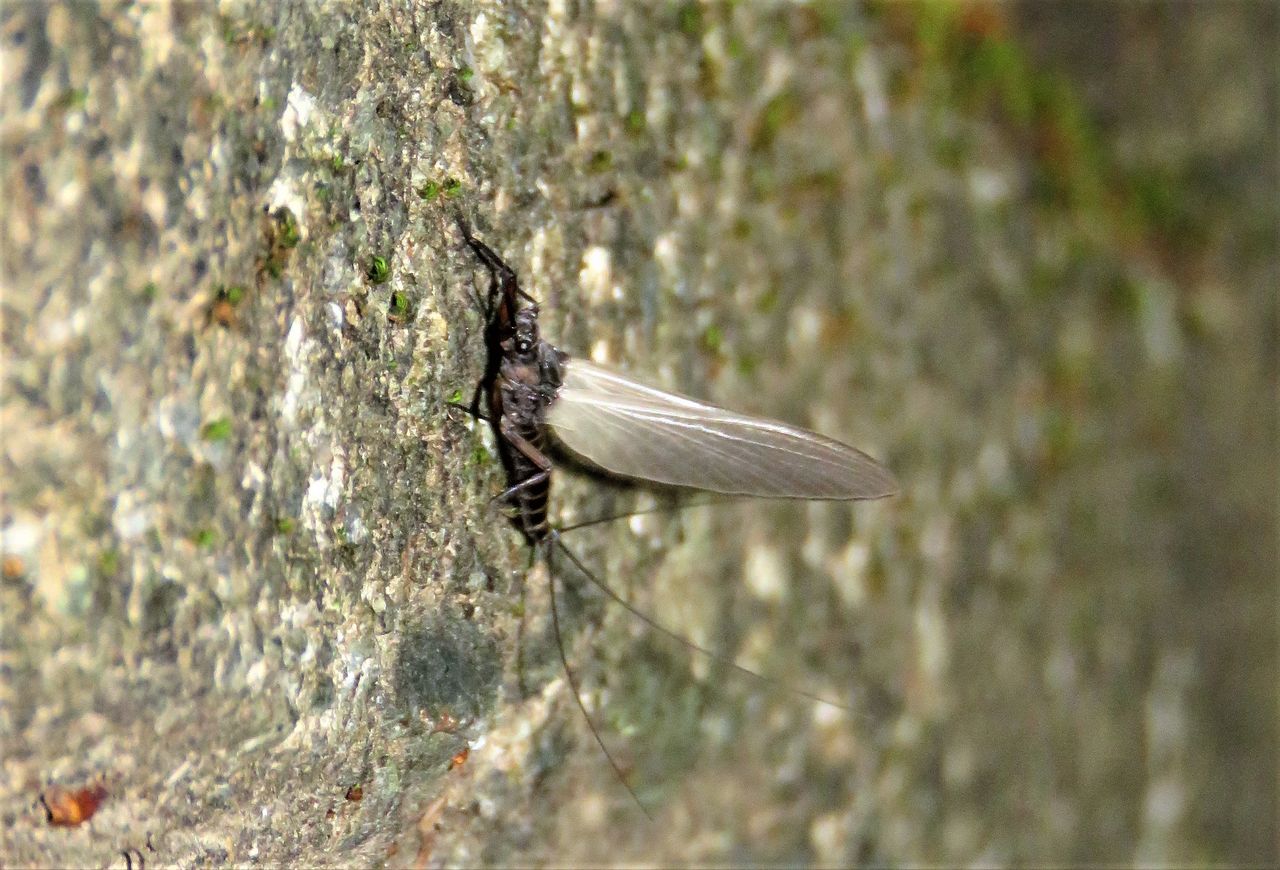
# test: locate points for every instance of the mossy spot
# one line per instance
(689, 20)
(601, 161)
(378, 271)
(216, 430)
(713, 339)
(288, 234)
(109, 562)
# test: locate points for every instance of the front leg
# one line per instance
(527, 483)
(504, 276)
(473, 409)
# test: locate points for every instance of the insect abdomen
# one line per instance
(532, 501)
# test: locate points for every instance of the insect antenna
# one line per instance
(554, 538)
(573, 681)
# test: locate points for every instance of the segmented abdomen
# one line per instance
(532, 501)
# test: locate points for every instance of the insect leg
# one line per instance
(533, 454)
(577, 694)
(503, 274)
(716, 499)
(554, 538)
(527, 483)
(473, 409)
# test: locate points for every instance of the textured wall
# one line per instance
(248, 562)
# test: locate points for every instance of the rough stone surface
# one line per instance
(251, 584)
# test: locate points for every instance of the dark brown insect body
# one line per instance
(521, 380)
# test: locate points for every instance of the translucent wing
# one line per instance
(634, 430)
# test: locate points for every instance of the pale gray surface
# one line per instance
(248, 561)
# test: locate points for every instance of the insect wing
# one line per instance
(635, 430)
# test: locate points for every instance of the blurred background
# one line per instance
(255, 608)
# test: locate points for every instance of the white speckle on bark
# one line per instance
(293, 345)
(297, 113)
(596, 275)
(766, 573)
(286, 192)
(132, 516)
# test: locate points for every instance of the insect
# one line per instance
(68, 807)
(536, 392)
(460, 757)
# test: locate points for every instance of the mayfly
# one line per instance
(632, 430)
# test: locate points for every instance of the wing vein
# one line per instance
(635, 430)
